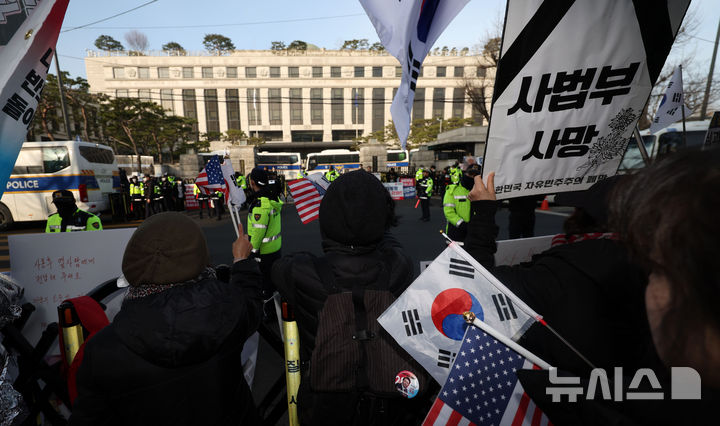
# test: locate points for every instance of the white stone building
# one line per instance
(298, 96)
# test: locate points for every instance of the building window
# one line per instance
(233, 108)
(316, 106)
(458, 105)
(378, 109)
(398, 71)
(359, 71)
(337, 108)
(144, 95)
(293, 72)
(212, 116)
(121, 93)
(118, 72)
(253, 105)
(377, 71)
(166, 100)
(441, 71)
(207, 72)
(274, 72)
(459, 72)
(163, 72)
(188, 72)
(480, 72)
(335, 72)
(358, 106)
(275, 103)
(438, 105)
(317, 72)
(190, 107)
(418, 110)
(144, 73)
(231, 72)
(296, 112)
(250, 72)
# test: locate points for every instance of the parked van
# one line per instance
(665, 142)
(86, 169)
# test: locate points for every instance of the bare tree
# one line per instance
(137, 40)
(479, 88)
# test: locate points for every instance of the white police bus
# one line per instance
(287, 164)
(88, 170)
(342, 159)
(399, 159)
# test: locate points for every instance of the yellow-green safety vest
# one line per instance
(264, 225)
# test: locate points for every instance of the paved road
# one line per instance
(422, 241)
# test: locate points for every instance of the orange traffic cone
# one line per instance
(545, 205)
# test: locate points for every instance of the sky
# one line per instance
(325, 23)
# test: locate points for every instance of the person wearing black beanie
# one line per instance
(356, 215)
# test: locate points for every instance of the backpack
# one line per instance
(353, 353)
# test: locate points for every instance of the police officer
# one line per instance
(167, 187)
(264, 224)
(424, 189)
(148, 187)
(456, 206)
(419, 173)
(202, 199)
(240, 181)
(136, 194)
(302, 173)
(218, 201)
(158, 199)
(331, 174)
(69, 217)
(180, 197)
(455, 173)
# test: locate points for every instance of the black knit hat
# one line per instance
(166, 248)
(259, 176)
(63, 196)
(356, 210)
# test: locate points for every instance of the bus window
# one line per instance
(312, 163)
(29, 162)
(396, 156)
(55, 159)
(673, 141)
(97, 155)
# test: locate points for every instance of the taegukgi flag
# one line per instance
(571, 83)
(669, 110)
(26, 49)
(408, 29)
(427, 319)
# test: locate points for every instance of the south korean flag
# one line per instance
(427, 319)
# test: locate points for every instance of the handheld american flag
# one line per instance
(211, 178)
(307, 196)
(483, 389)
(426, 320)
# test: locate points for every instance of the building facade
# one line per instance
(299, 96)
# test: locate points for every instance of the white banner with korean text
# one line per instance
(572, 81)
(24, 62)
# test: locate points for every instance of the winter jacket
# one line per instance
(588, 291)
(173, 358)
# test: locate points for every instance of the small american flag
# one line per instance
(482, 388)
(307, 196)
(211, 178)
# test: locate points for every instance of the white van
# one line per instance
(87, 169)
(664, 142)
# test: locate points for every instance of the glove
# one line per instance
(463, 227)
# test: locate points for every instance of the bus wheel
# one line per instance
(5, 217)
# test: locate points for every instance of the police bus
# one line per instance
(86, 169)
(342, 159)
(287, 164)
(398, 158)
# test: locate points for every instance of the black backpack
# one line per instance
(353, 353)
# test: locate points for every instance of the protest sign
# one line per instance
(57, 266)
(565, 102)
(191, 203)
(408, 187)
(395, 189)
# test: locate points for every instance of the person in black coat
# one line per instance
(172, 354)
(355, 215)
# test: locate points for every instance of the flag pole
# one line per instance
(470, 318)
(682, 108)
(641, 146)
